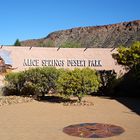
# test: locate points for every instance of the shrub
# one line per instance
(78, 82)
(129, 84)
(37, 81)
(129, 58)
(108, 81)
(68, 44)
(49, 43)
(13, 83)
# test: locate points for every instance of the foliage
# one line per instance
(70, 45)
(37, 81)
(78, 82)
(108, 81)
(13, 83)
(129, 84)
(49, 43)
(129, 57)
(17, 43)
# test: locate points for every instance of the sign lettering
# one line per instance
(62, 63)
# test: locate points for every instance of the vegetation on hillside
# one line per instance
(48, 43)
(107, 36)
(17, 43)
(70, 45)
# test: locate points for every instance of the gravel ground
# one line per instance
(45, 121)
(8, 100)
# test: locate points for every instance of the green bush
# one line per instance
(108, 81)
(129, 84)
(78, 82)
(37, 82)
(128, 57)
(13, 83)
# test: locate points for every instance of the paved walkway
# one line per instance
(45, 121)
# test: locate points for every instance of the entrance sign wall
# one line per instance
(21, 58)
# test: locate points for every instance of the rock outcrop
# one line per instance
(2, 65)
(106, 36)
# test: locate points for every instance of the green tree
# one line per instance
(129, 84)
(35, 81)
(78, 82)
(17, 43)
(128, 57)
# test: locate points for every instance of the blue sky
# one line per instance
(31, 19)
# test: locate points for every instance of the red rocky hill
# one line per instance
(105, 36)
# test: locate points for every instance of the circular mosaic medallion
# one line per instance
(93, 130)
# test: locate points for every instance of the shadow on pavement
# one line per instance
(55, 99)
(131, 103)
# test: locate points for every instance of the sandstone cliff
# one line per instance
(105, 36)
